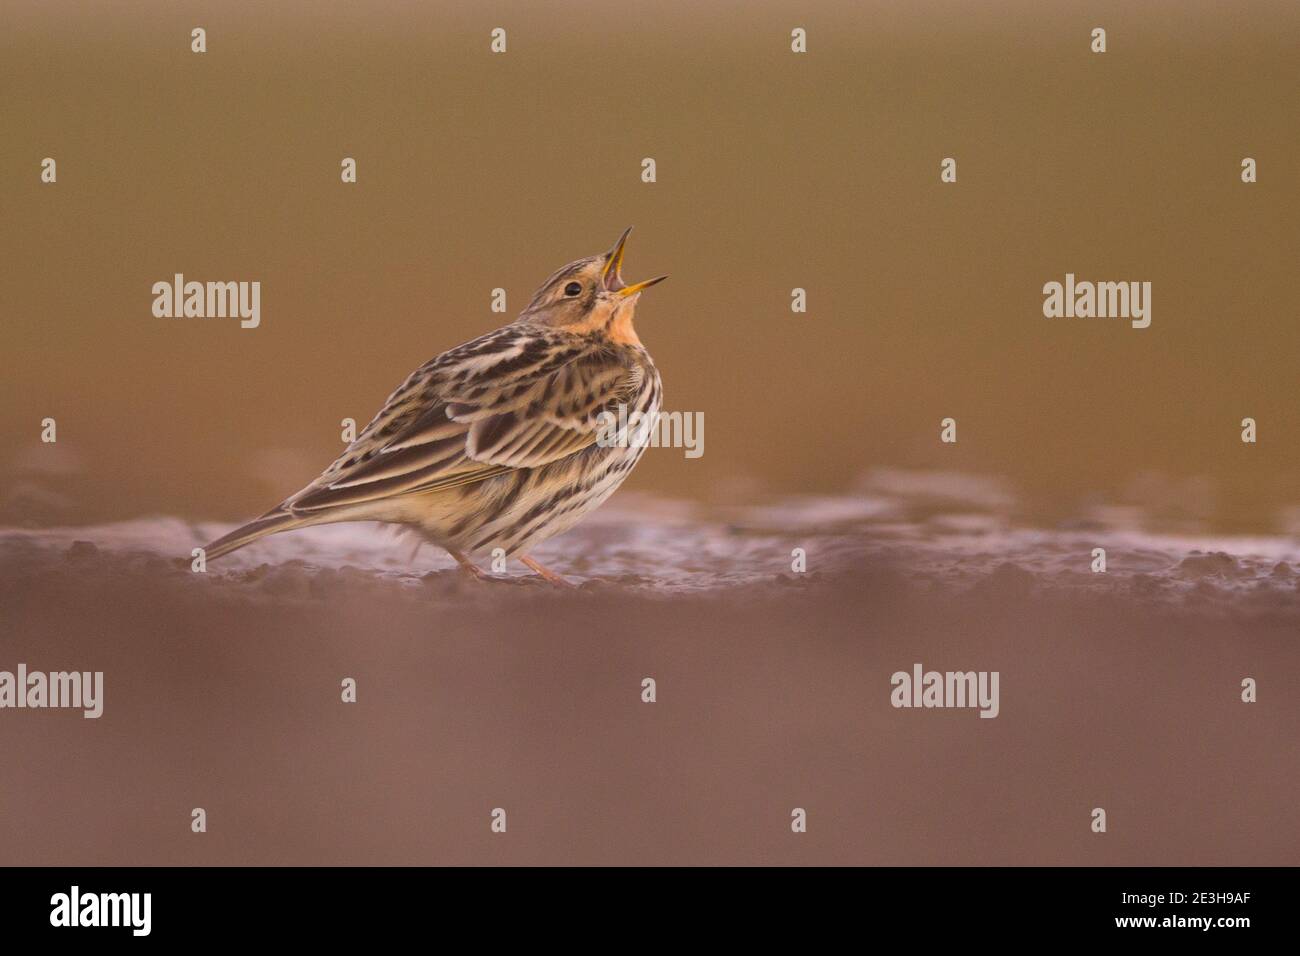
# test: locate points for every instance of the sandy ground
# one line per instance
(1118, 690)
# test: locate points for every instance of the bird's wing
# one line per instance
(512, 399)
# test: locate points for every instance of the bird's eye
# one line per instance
(573, 288)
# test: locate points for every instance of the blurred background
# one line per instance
(775, 170)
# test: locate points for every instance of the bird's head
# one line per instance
(590, 296)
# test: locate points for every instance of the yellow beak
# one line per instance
(612, 278)
(634, 289)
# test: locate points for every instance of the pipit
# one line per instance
(501, 442)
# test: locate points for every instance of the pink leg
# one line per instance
(546, 572)
(468, 566)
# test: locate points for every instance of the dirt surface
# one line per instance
(222, 691)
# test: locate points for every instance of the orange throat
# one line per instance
(620, 330)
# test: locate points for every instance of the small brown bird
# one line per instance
(494, 444)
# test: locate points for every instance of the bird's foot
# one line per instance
(547, 573)
(467, 566)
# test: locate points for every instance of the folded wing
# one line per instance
(504, 402)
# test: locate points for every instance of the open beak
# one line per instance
(613, 275)
(634, 289)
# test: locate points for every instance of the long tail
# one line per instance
(272, 522)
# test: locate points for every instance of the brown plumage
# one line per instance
(500, 442)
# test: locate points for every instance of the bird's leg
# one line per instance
(466, 565)
(545, 572)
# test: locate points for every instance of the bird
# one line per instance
(504, 441)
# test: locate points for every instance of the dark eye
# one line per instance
(573, 288)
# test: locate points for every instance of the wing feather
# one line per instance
(520, 397)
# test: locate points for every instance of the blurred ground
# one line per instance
(222, 691)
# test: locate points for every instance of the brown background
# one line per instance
(775, 171)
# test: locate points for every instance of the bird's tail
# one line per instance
(272, 522)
